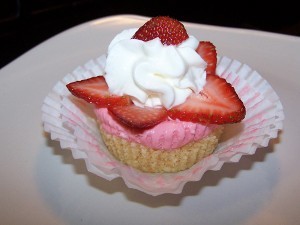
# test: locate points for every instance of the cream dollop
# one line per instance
(151, 73)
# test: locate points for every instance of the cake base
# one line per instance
(161, 161)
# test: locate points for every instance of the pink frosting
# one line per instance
(167, 135)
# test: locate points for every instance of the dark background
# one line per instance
(26, 23)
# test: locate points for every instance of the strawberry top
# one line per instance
(216, 103)
(170, 31)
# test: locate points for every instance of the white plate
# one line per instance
(43, 184)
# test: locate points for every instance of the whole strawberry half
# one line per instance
(208, 53)
(95, 90)
(170, 31)
(217, 103)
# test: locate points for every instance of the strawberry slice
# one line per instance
(95, 90)
(217, 103)
(138, 117)
(170, 31)
(207, 51)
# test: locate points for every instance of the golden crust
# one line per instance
(161, 161)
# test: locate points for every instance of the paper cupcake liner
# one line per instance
(71, 122)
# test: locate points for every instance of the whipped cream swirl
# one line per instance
(151, 73)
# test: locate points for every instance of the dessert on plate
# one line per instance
(160, 105)
(160, 108)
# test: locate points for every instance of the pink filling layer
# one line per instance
(167, 135)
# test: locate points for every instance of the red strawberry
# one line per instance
(138, 117)
(217, 103)
(95, 90)
(208, 52)
(170, 31)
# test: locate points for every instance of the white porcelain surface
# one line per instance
(43, 184)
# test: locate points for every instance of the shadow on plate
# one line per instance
(210, 179)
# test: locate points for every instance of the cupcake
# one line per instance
(160, 104)
(86, 124)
